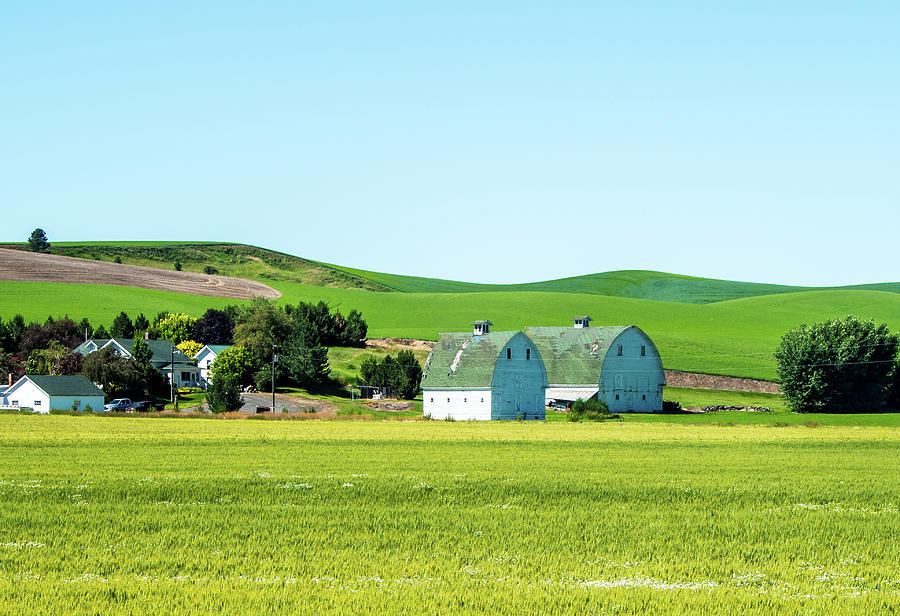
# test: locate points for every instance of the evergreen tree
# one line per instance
(122, 326)
(38, 241)
(223, 395)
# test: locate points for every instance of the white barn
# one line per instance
(43, 394)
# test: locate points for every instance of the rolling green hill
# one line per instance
(638, 284)
(700, 325)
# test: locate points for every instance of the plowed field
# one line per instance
(17, 265)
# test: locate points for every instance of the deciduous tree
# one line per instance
(38, 241)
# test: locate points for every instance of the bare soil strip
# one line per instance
(676, 378)
(17, 265)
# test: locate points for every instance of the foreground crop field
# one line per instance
(115, 516)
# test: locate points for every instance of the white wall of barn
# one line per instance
(459, 405)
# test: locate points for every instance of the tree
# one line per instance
(305, 362)
(223, 395)
(85, 329)
(116, 375)
(838, 365)
(43, 361)
(175, 328)
(141, 352)
(189, 348)
(38, 241)
(356, 330)
(141, 324)
(409, 375)
(214, 327)
(233, 363)
(100, 333)
(260, 325)
(122, 326)
(11, 332)
(177, 266)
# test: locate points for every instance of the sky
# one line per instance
(488, 142)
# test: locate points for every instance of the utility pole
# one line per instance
(274, 359)
(172, 375)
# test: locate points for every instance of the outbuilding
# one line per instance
(618, 364)
(43, 394)
(484, 375)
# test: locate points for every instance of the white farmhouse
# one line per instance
(166, 358)
(205, 358)
(43, 394)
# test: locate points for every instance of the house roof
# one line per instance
(214, 348)
(84, 346)
(574, 355)
(63, 385)
(461, 359)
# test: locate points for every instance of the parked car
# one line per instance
(119, 404)
(144, 406)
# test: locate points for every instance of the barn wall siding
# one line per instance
(519, 382)
(632, 382)
(459, 405)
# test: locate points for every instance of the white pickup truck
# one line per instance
(119, 404)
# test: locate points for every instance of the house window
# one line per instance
(643, 351)
(620, 351)
(527, 353)
(508, 353)
(185, 376)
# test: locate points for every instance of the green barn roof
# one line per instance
(464, 360)
(573, 355)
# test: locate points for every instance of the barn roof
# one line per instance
(464, 360)
(574, 355)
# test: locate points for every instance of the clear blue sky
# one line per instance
(519, 141)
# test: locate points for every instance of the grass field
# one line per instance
(135, 515)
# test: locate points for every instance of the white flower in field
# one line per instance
(478, 532)
(22, 544)
(348, 485)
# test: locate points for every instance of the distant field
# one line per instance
(191, 516)
(734, 338)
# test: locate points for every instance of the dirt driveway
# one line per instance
(294, 404)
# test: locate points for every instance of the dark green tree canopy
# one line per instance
(839, 365)
(38, 241)
(122, 326)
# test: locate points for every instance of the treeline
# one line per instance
(402, 374)
(300, 334)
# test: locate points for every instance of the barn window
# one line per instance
(448, 399)
(465, 399)
(644, 397)
(620, 351)
(527, 353)
(508, 353)
(37, 402)
(432, 399)
(482, 399)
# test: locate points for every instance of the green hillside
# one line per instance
(638, 284)
(238, 260)
(734, 338)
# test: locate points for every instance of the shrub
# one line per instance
(118, 259)
(177, 266)
(671, 406)
(224, 396)
(838, 365)
(209, 269)
(591, 409)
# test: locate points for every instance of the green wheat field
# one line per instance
(145, 516)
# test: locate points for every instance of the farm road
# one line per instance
(294, 404)
(18, 265)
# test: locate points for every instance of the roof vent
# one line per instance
(581, 322)
(481, 327)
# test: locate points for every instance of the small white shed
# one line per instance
(43, 393)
